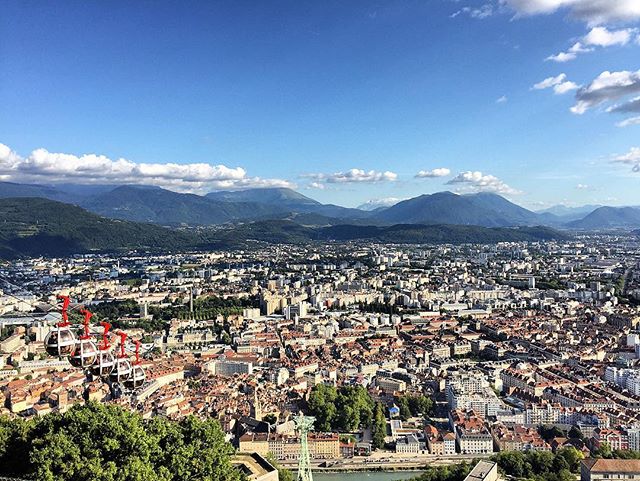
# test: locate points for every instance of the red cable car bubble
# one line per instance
(122, 367)
(138, 375)
(85, 353)
(61, 341)
(105, 361)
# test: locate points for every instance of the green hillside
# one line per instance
(36, 226)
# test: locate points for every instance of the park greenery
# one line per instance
(563, 465)
(123, 314)
(343, 409)
(95, 442)
(348, 408)
(414, 405)
(605, 452)
(530, 465)
(541, 465)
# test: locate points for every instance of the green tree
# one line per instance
(575, 433)
(322, 405)
(107, 443)
(346, 409)
(379, 428)
(513, 463)
(550, 432)
(604, 451)
(403, 404)
(572, 456)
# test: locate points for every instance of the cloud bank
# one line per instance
(42, 166)
(351, 176)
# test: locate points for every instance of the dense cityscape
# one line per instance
(405, 355)
(319, 240)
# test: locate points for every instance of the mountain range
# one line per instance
(33, 226)
(167, 208)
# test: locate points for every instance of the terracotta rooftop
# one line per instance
(612, 465)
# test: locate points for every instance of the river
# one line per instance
(364, 476)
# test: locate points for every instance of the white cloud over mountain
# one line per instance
(42, 166)
(478, 182)
(374, 204)
(351, 176)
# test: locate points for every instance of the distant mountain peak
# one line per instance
(268, 195)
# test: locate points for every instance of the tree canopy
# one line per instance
(96, 442)
(344, 409)
(541, 465)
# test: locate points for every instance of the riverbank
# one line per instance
(384, 462)
(366, 476)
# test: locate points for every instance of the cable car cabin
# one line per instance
(85, 353)
(60, 342)
(137, 377)
(121, 370)
(104, 363)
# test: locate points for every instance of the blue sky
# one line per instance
(347, 101)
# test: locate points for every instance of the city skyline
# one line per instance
(530, 99)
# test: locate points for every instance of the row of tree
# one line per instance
(541, 465)
(96, 442)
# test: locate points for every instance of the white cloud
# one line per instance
(562, 57)
(631, 158)
(594, 12)
(629, 121)
(50, 167)
(606, 87)
(353, 176)
(377, 203)
(560, 84)
(479, 182)
(583, 187)
(564, 87)
(502, 100)
(602, 37)
(596, 37)
(428, 174)
(484, 11)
